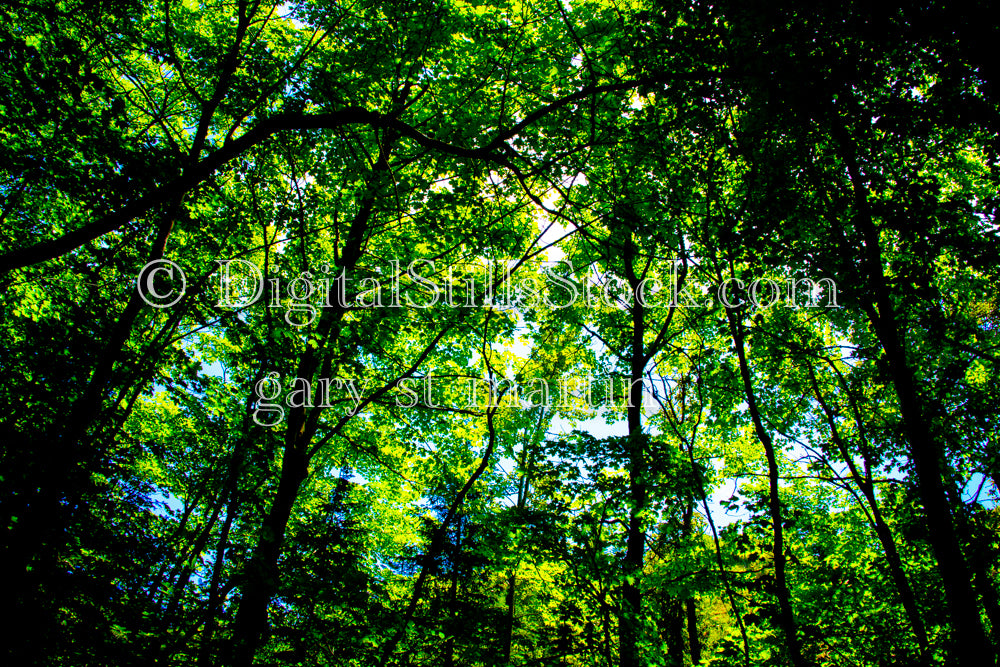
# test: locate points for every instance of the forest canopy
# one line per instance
(555, 332)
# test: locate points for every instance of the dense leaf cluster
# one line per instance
(554, 333)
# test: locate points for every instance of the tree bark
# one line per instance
(694, 641)
(880, 527)
(786, 617)
(262, 576)
(637, 484)
(970, 645)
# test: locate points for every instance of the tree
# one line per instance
(412, 236)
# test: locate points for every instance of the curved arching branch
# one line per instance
(496, 151)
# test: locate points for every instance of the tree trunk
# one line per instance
(786, 617)
(637, 483)
(694, 641)
(508, 626)
(690, 610)
(262, 574)
(970, 645)
(877, 521)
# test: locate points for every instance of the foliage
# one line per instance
(522, 333)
